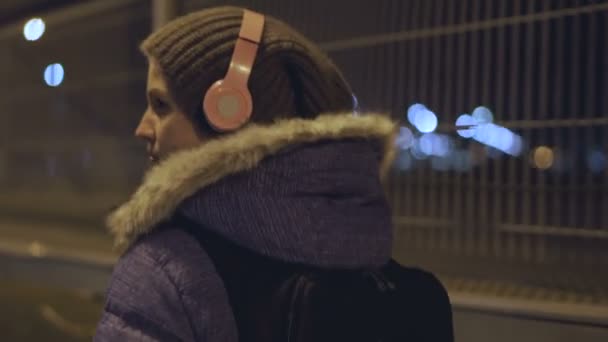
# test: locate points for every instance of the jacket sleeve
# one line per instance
(130, 327)
(165, 288)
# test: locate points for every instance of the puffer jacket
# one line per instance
(304, 191)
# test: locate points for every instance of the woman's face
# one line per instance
(163, 126)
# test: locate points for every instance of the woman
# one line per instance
(296, 179)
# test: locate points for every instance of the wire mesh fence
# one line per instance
(520, 194)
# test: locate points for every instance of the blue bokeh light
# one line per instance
(426, 121)
(500, 138)
(33, 29)
(413, 111)
(433, 144)
(405, 138)
(422, 118)
(441, 163)
(466, 120)
(516, 147)
(483, 115)
(442, 146)
(596, 161)
(53, 74)
(461, 160)
(417, 151)
(404, 161)
(426, 144)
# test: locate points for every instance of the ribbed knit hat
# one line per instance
(291, 76)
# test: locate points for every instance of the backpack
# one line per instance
(274, 301)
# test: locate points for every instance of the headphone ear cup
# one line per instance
(227, 108)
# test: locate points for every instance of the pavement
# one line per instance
(52, 278)
(30, 312)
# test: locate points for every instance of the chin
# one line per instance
(153, 160)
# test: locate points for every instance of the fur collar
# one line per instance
(178, 177)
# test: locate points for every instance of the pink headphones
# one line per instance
(227, 104)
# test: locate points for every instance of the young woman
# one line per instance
(268, 165)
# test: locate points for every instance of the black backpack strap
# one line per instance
(419, 307)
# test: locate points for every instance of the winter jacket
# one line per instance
(303, 191)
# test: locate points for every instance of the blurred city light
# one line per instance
(422, 118)
(596, 161)
(478, 126)
(404, 160)
(405, 139)
(543, 157)
(53, 74)
(461, 160)
(417, 151)
(433, 144)
(426, 121)
(500, 138)
(440, 163)
(482, 115)
(33, 29)
(413, 111)
(466, 120)
(426, 144)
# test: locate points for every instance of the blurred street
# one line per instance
(40, 313)
(52, 279)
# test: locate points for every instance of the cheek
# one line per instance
(177, 134)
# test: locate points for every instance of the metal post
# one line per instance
(163, 11)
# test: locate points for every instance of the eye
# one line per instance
(159, 105)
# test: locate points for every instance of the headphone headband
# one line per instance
(245, 49)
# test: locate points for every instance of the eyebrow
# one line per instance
(157, 92)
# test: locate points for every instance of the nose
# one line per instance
(145, 128)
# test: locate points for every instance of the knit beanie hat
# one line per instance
(291, 76)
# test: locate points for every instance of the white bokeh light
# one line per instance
(483, 115)
(426, 121)
(405, 139)
(466, 120)
(413, 111)
(416, 150)
(433, 144)
(422, 118)
(54, 74)
(499, 138)
(33, 29)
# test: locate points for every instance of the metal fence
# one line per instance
(538, 217)
(523, 199)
